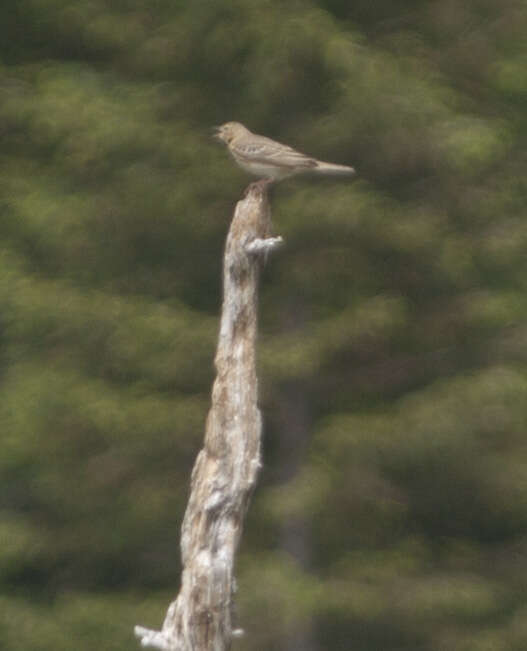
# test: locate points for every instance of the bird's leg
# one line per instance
(262, 185)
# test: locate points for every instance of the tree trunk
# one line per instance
(226, 468)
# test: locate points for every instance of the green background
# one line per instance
(391, 511)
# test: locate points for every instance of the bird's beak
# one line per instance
(216, 133)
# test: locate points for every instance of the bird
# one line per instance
(270, 160)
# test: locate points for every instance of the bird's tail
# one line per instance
(332, 168)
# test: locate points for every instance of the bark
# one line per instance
(225, 471)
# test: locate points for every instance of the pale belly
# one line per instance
(263, 171)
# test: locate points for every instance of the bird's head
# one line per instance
(228, 131)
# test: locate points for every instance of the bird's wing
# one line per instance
(264, 150)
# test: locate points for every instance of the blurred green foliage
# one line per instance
(392, 508)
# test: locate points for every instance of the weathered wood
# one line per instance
(226, 468)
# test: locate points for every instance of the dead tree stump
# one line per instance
(226, 468)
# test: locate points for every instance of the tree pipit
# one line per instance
(269, 159)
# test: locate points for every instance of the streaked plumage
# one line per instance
(269, 159)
